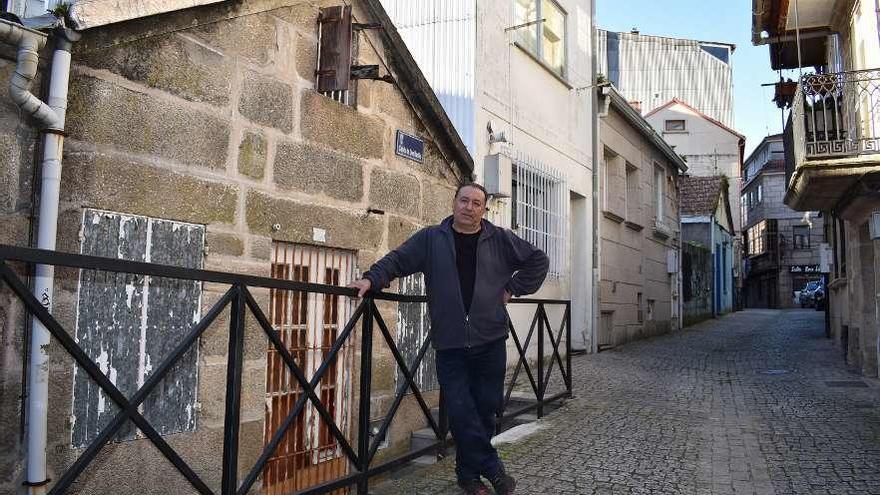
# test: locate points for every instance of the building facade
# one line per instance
(781, 246)
(199, 137)
(640, 231)
(650, 71)
(831, 159)
(711, 149)
(487, 61)
(707, 221)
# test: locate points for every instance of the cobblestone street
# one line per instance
(756, 402)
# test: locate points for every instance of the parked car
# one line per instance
(808, 294)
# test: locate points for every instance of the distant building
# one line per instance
(639, 278)
(711, 149)
(707, 220)
(781, 245)
(652, 70)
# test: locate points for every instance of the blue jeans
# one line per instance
(472, 381)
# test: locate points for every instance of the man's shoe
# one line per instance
(474, 487)
(503, 483)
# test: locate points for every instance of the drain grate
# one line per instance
(846, 384)
(775, 372)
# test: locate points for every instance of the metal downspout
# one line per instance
(594, 334)
(50, 117)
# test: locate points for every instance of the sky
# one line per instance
(755, 116)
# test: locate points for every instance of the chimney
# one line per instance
(634, 30)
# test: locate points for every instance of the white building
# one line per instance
(651, 70)
(511, 87)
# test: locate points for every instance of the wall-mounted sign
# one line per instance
(804, 269)
(409, 147)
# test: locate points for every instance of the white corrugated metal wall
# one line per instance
(442, 38)
(653, 70)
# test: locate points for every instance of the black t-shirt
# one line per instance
(466, 259)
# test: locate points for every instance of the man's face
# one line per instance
(469, 207)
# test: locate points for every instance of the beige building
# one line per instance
(831, 149)
(201, 137)
(640, 227)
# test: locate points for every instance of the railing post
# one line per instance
(568, 346)
(363, 483)
(231, 425)
(444, 425)
(540, 360)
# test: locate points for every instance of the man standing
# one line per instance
(472, 268)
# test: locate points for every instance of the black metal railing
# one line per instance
(836, 115)
(240, 300)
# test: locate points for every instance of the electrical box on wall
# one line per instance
(497, 175)
(671, 261)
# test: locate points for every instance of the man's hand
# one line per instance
(507, 296)
(362, 285)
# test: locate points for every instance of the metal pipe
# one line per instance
(50, 117)
(594, 38)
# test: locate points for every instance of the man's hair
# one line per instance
(475, 186)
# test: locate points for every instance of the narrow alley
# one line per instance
(756, 402)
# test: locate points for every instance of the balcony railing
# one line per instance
(357, 450)
(836, 115)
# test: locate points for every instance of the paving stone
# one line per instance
(692, 412)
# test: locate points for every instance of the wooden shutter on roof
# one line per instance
(334, 70)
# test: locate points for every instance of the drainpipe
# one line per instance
(714, 266)
(50, 118)
(594, 36)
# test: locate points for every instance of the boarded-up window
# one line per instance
(128, 324)
(412, 330)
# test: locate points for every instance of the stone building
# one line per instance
(707, 221)
(640, 229)
(782, 246)
(197, 136)
(831, 140)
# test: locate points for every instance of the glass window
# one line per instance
(659, 193)
(675, 125)
(550, 32)
(801, 236)
(553, 36)
(526, 11)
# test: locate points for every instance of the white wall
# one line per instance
(480, 76)
(709, 149)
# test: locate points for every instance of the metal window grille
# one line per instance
(539, 208)
(308, 323)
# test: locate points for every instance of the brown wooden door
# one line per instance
(308, 324)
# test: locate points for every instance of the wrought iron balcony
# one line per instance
(834, 124)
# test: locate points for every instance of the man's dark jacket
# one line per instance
(504, 261)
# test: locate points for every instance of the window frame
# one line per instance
(667, 127)
(800, 240)
(538, 29)
(659, 193)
